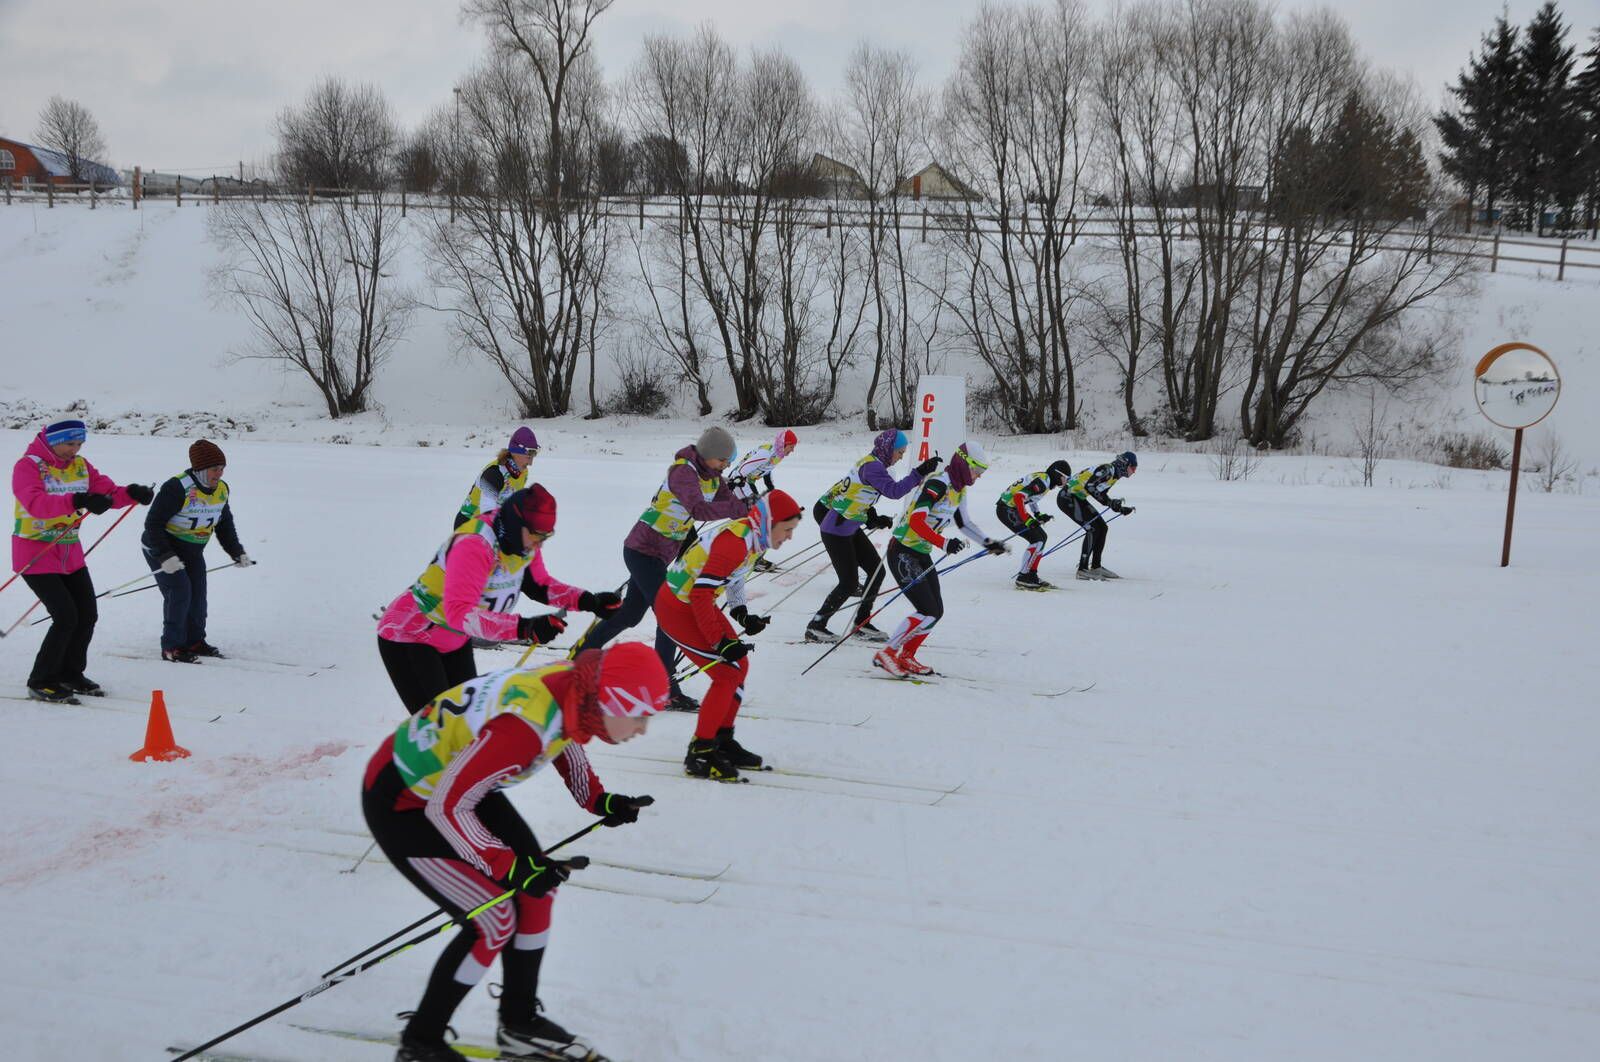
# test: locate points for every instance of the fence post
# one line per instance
(8, 191)
(311, 194)
(1430, 245)
(1494, 256)
(828, 224)
(216, 191)
(402, 200)
(1561, 270)
(641, 211)
(924, 224)
(91, 195)
(50, 192)
(177, 193)
(452, 208)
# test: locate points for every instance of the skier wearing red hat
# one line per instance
(433, 798)
(507, 475)
(686, 609)
(469, 590)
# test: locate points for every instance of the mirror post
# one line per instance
(1511, 500)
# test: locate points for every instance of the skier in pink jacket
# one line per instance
(55, 489)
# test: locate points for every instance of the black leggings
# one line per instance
(849, 555)
(1081, 512)
(1031, 532)
(420, 672)
(64, 653)
(908, 567)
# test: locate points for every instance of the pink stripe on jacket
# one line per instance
(467, 568)
(28, 486)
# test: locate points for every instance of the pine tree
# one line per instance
(1587, 87)
(1479, 136)
(1549, 144)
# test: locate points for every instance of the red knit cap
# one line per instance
(633, 681)
(206, 454)
(781, 507)
(537, 508)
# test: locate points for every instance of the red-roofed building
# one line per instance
(25, 164)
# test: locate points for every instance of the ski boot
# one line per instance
(84, 685)
(887, 659)
(706, 760)
(1031, 581)
(1106, 573)
(680, 701)
(52, 695)
(205, 648)
(870, 634)
(413, 1049)
(1091, 575)
(540, 1038)
(737, 754)
(908, 658)
(179, 656)
(819, 632)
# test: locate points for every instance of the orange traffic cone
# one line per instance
(158, 741)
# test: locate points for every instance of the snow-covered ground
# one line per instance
(1329, 794)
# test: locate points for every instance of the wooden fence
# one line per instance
(919, 217)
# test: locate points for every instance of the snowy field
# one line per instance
(1323, 787)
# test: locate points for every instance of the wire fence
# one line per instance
(920, 218)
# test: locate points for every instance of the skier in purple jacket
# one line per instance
(846, 515)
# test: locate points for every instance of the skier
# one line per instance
(693, 489)
(188, 509)
(752, 476)
(1073, 499)
(469, 590)
(941, 500)
(1018, 510)
(54, 484)
(433, 799)
(847, 517)
(508, 473)
(686, 609)
(753, 471)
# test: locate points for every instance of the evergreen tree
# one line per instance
(1587, 87)
(1479, 136)
(1550, 142)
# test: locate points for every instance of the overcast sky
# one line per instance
(194, 87)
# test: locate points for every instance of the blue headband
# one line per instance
(65, 431)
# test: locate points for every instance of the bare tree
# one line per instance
(341, 136)
(313, 280)
(67, 127)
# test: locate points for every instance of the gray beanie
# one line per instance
(715, 443)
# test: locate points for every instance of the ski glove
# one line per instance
(243, 561)
(601, 604)
(620, 810)
(94, 503)
(1042, 518)
(930, 466)
(1117, 504)
(172, 564)
(538, 875)
(751, 624)
(995, 547)
(954, 545)
(877, 521)
(731, 650)
(140, 493)
(540, 629)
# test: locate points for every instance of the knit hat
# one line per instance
(533, 508)
(205, 454)
(784, 444)
(66, 431)
(715, 443)
(772, 508)
(886, 442)
(781, 506)
(633, 682)
(969, 462)
(523, 441)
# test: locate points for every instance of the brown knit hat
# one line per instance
(206, 454)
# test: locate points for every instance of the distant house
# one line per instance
(26, 164)
(839, 180)
(933, 181)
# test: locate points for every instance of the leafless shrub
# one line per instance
(1372, 438)
(1233, 458)
(639, 386)
(1470, 450)
(1552, 463)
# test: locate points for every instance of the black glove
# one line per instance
(731, 650)
(620, 810)
(1042, 518)
(877, 521)
(94, 503)
(537, 875)
(930, 466)
(601, 604)
(140, 493)
(751, 624)
(1118, 506)
(995, 547)
(540, 629)
(954, 545)
(1127, 510)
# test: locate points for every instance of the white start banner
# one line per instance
(941, 423)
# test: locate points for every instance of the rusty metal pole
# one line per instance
(1511, 501)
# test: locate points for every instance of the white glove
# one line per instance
(172, 565)
(242, 561)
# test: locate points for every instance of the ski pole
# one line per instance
(576, 863)
(119, 591)
(805, 555)
(59, 535)
(29, 610)
(622, 586)
(875, 574)
(982, 551)
(1082, 530)
(434, 914)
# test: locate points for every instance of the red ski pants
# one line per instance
(721, 703)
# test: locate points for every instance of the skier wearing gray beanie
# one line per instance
(693, 490)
